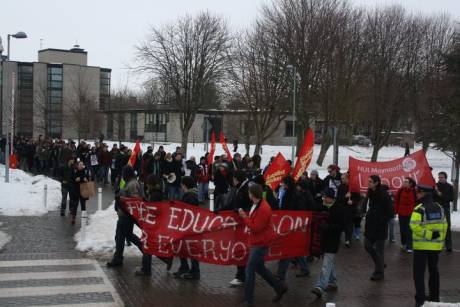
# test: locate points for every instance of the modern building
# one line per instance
(58, 96)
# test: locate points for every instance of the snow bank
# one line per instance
(23, 195)
(4, 238)
(100, 234)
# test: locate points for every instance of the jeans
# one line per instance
(327, 275)
(241, 273)
(448, 241)
(203, 189)
(64, 192)
(421, 258)
(124, 231)
(406, 233)
(357, 227)
(376, 250)
(195, 266)
(174, 192)
(283, 266)
(146, 263)
(256, 263)
(103, 174)
(391, 229)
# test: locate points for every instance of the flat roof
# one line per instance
(73, 50)
(57, 64)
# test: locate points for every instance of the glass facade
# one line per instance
(24, 112)
(53, 112)
(155, 122)
(104, 93)
(133, 127)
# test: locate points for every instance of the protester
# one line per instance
(261, 235)
(316, 187)
(334, 179)
(79, 176)
(391, 222)
(190, 196)
(128, 187)
(429, 227)
(66, 175)
(203, 179)
(330, 242)
(349, 201)
(379, 212)
(404, 204)
(444, 195)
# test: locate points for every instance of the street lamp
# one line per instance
(293, 71)
(18, 35)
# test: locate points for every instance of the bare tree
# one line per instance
(260, 82)
(186, 57)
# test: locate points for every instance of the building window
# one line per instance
(121, 126)
(104, 91)
(53, 109)
(247, 127)
(133, 126)
(155, 122)
(24, 119)
(288, 128)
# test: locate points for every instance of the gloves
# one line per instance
(435, 235)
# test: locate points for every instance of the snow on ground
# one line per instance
(101, 230)
(23, 195)
(100, 234)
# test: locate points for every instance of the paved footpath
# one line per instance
(40, 267)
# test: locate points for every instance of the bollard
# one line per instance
(99, 199)
(83, 225)
(45, 194)
(330, 304)
(211, 202)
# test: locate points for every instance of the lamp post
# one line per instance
(293, 71)
(18, 35)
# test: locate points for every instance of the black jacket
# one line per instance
(447, 195)
(154, 195)
(240, 198)
(75, 185)
(379, 212)
(175, 167)
(292, 200)
(333, 182)
(332, 228)
(349, 210)
(191, 197)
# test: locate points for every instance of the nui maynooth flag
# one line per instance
(305, 155)
(277, 170)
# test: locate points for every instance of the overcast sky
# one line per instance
(109, 29)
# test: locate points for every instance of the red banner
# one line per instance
(213, 148)
(224, 145)
(135, 153)
(277, 170)
(392, 172)
(171, 228)
(305, 155)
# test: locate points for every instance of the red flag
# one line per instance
(305, 155)
(135, 153)
(277, 170)
(392, 173)
(224, 145)
(213, 148)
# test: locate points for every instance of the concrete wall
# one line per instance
(62, 57)
(8, 69)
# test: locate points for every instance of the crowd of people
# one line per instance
(239, 185)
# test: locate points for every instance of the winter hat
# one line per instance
(329, 193)
(314, 172)
(188, 182)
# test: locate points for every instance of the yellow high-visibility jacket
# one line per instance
(427, 218)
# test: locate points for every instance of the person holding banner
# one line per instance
(190, 196)
(261, 235)
(379, 213)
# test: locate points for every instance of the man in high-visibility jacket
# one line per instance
(429, 226)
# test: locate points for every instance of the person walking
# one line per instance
(65, 177)
(429, 228)
(80, 175)
(261, 235)
(404, 204)
(379, 212)
(190, 196)
(125, 223)
(444, 195)
(349, 201)
(330, 242)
